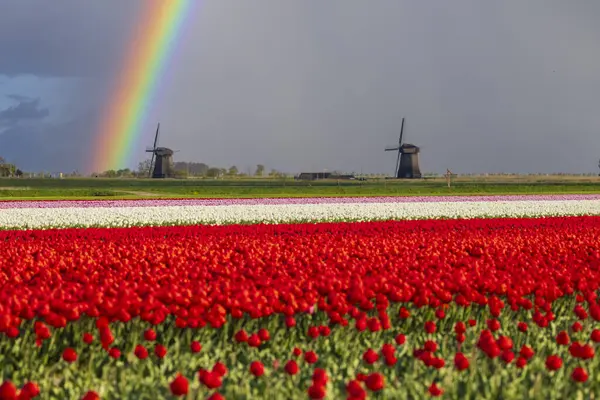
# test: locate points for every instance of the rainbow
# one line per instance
(143, 67)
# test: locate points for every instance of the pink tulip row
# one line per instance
(275, 201)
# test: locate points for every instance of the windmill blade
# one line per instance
(401, 133)
(154, 150)
(399, 148)
(392, 148)
(156, 136)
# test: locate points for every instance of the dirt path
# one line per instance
(139, 193)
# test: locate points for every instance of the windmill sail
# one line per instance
(399, 147)
(154, 150)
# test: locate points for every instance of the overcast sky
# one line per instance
(485, 86)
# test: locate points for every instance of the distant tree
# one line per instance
(233, 170)
(144, 168)
(124, 172)
(111, 173)
(260, 169)
(7, 170)
(213, 172)
(180, 174)
(274, 173)
(191, 168)
(200, 169)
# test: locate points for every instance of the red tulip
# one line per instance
(430, 327)
(461, 362)
(210, 379)
(8, 391)
(434, 390)
(400, 339)
(355, 390)
(460, 327)
(290, 322)
(324, 331)
(254, 340)
(141, 352)
(563, 338)
(316, 392)
(370, 356)
(114, 352)
(241, 336)
(310, 357)
(375, 382)
(313, 332)
(220, 368)
(88, 338)
(179, 386)
(264, 335)
(493, 324)
(30, 389)
(195, 346)
(150, 335)
(522, 326)
(291, 367)
(553, 362)
(579, 375)
(69, 355)
(404, 313)
(430, 346)
(319, 377)
(507, 356)
(526, 352)
(91, 395)
(257, 368)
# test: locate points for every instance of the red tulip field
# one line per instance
(457, 309)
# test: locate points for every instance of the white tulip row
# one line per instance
(40, 218)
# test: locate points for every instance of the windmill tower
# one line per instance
(161, 163)
(407, 162)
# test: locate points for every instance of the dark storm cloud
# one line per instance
(49, 147)
(64, 37)
(18, 97)
(504, 86)
(485, 86)
(26, 110)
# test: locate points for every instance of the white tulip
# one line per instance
(227, 213)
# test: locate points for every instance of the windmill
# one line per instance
(161, 163)
(407, 162)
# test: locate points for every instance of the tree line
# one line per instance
(181, 169)
(8, 170)
(184, 169)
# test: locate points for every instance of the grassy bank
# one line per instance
(205, 188)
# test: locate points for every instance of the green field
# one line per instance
(101, 188)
